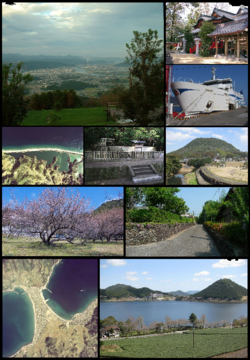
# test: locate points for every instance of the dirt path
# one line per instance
(243, 353)
(194, 241)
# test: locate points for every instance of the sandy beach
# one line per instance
(43, 149)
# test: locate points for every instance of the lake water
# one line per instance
(157, 310)
(69, 277)
(18, 321)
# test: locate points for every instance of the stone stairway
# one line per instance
(144, 173)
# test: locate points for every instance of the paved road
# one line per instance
(191, 242)
(229, 118)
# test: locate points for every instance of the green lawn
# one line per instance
(24, 246)
(80, 117)
(207, 343)
(190, 179)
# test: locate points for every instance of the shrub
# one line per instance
(155, 215)
(232, 231)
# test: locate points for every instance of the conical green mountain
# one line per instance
(199, 146)
(223, 289)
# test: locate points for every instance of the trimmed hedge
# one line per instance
(155, 215)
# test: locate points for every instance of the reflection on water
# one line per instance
(175, 180)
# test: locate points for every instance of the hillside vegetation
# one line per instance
(206, 147)
(110, 204)
(223, 289)
(119, 290)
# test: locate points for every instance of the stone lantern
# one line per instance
(197, 42)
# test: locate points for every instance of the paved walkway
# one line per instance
(194, 241)
(228, 118)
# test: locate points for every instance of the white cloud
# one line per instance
(195, 279)
(192, 130)
(217, 136)
(144, 273)
(131, 272)
(202, 273)
(148, 278)
(117, 262)
(103, 266)
(132, 278)
(244, 136)
(177, 136)
(207, 279)
(226, 263)
(228, 276)
(243, 274)
(99, 11)
(168, 280)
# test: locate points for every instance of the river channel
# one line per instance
(177, 179)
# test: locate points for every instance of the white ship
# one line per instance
(211, 95)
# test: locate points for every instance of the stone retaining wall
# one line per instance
(155, 233)
(223, 245)
(216, 180)
(200, 179)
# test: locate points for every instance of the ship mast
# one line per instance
(213, 72)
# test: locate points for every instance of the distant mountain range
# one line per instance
(119, 290)
(69, 59)
(223, 289)
(200, 146)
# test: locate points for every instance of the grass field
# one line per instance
(207, 343)
(24, 246)
(190, 179)
(232, 171)
(77, 117)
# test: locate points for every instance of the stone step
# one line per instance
(144, 173)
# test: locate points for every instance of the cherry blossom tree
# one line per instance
(110, 223)
(56, 211)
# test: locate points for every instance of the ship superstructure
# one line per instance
(209, 96)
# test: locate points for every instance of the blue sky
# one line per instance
(98, 195)
(195, 198)
(201, 73)
(79, 29)
(176, 138)
(171, 275)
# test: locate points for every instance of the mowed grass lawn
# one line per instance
(77, 117)
(207, 343)
(24, 246)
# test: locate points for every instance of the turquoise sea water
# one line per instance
(49, 155)
(69, 277)
(18, 321)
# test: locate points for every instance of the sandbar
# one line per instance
(44, 149)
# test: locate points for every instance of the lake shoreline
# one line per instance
(199, 301)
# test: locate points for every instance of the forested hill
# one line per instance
(223, 289)
(202, 147)
(119, 290)
(109, 205)
(178, 292)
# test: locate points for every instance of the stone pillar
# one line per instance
(184, 45)
(238, 47)
(226, 46)
(197, 41)
(216, 46)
